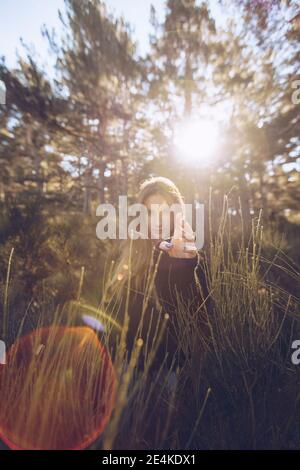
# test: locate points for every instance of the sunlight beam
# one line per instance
(196, 141)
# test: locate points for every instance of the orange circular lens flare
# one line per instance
(57, 389)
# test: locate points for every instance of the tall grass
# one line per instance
(247, 366)
(237, 388)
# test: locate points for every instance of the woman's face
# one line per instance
(160, 218)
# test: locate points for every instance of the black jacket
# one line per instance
(177, 283)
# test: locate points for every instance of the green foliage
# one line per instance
(104, 123)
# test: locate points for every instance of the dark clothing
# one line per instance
(177, 283)
(182, 289)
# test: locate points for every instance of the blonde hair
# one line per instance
(136, 257)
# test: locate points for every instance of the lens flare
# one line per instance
(57, 389)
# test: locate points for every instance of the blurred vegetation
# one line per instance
(101, 124)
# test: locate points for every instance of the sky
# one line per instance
(24, 19)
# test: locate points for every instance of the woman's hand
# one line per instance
(182, 244)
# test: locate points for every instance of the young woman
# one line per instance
(159, 281)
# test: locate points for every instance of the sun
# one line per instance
(196, 141)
